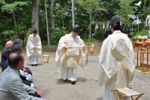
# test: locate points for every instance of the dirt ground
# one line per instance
(48, 81)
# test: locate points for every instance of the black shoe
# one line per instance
(66, 80)
(33, 64)
(73, 82)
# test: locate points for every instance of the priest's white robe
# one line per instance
(116, 63)
(69, 59)
(34, 55)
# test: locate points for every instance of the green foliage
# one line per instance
(134, 38)
(2, 2)
(142, 32)
(91, 40)
(10, 8)
(91, 5)
(10, 33)
(22, 10)
(58, 34)
(26, 37)
(125, 10)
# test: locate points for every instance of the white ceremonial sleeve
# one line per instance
(123, 52)
(83, 55)
(129, 63)
(60, 52)
(107, 63)
(29, 47)
(39, 46)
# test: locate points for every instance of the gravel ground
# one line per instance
(53, 87)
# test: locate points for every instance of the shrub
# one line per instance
(58, 34)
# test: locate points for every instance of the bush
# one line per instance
(142, 32)
(26, 37)
(58, 34)
(134, 38)
(90, 40)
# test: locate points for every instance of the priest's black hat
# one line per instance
(34, 31)
(76, 28)
(115, 20)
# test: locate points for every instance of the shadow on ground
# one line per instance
(79, 79)
(100, 98)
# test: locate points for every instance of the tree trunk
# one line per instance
(52, 17)
(48, 40)
(90, 25)
(62, 21)
(35, 15)
(144, 3)
(73, 19)
(15, 24)
(99, 16)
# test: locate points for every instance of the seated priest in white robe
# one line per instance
(34, 49)
(116, 61)
(71, 53)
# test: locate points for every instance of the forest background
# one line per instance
(54, 18)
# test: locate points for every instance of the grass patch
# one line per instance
(51, 48)
(91, 40)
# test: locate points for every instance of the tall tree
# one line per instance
(11, 9)
(123, 12)
(52, 17)
(91, 6)
(35, 15)
(73, 19)
(48, 40)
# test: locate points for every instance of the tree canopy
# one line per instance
(16, 17)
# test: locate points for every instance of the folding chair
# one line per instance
(47, 56)
(126, 92)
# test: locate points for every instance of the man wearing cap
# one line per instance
(116, 60)
(71, 52)
(34, 48)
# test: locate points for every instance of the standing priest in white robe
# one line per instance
(71, 53)
(116, 61)
(34, 48)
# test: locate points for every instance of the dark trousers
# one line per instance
(34, 95)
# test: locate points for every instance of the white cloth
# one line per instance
(147, 21)
(69, 73)
(34, 55)
(116, 63)
(69, 59)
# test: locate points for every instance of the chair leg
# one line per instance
(137, 58)
(132, 98)
(48, 59)
(116, 95)
(147, 61)
(139, 96)
(123, 98)
(42, 59)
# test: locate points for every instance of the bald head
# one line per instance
(9, 44)
(15, 60)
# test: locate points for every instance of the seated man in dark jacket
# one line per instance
(5, 52)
